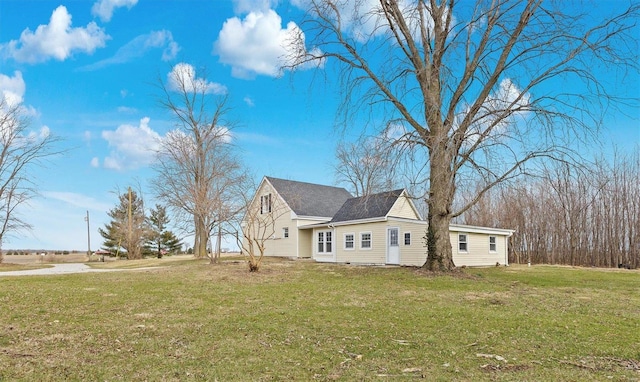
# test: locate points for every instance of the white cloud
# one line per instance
(224, 134)
(256, 45)
(249, 101)
(127, 110)
(95, 162)
(77, 200)
(12, 88)
(104, 8)
(246, 6)
(87, 137)
(361, 19)
(56, 40)
(131, 146)
(394, 132)
(138, 47)
(184, 75)
(257, 139)
(42, 134)
(364, 19)
(502, 109)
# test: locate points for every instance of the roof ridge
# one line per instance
(310, 199)
(301, 182)
(383, 193)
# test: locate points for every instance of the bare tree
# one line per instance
(367, 166)
(258, 226)
(20, 150)
(197, 166)
(483, 89)
(586, 217)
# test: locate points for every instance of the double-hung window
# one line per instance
(462, 242)
(492, 244)
(349, 241)
(285, 232)
(365, 240)
(407, 238)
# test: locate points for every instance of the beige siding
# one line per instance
(374, 255)
(276, 244)
(402, 209)
(304, 237)
(412, 254)
(478, 253)
(304, 243)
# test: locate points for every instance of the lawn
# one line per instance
(299, 320)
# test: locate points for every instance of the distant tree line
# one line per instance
(570, 215)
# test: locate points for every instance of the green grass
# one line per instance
(299, 320)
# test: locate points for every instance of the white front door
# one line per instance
(393, 249)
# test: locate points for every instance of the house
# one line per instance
(327, 224)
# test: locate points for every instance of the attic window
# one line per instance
(265, 204)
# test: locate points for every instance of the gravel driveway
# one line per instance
(57, 269)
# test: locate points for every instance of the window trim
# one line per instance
(464, 242)
(353, 241)
(407, 237)
(494, 244)
(326, 234)
(265, 204)
(370, 241)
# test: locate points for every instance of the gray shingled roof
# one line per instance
(367, 207)
(308, 199)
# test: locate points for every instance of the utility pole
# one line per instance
(129, 245)
(88, 235)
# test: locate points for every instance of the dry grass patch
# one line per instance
(301, 321)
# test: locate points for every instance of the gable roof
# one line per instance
(367, 207)
(308, 199)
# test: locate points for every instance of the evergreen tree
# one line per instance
(160, 240)
(128, 229)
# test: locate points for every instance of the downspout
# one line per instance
(334, 245)
(506, 252)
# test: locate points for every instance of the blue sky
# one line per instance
(86, 71)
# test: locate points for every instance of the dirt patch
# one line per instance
(504, 368)
(455, 273)
(604, 363)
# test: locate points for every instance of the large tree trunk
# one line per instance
(201, 238)
(439, 253)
